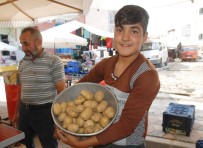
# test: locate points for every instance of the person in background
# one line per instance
(131, 77)
(179, 47)
(13, 55)
(41, 77)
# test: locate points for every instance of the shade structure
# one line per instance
(74, 25)
(30, 12)
(34, 9)
(4, 46)
(53, 39)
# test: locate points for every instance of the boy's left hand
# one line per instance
(67, 138)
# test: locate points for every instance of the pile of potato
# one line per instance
(88, 113)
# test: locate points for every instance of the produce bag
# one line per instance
(12, 92)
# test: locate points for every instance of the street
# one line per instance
(182, 78)
(182, 83)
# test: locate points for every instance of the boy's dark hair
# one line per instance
(132, 14)
(34, 32)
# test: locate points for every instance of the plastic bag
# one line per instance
(12, 92)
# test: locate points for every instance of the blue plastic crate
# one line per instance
(76, 64)
(70, 64)
(199, 144)
(72, 70)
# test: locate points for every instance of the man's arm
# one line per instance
(60, 86)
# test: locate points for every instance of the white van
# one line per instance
(156, 51)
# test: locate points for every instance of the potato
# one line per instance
(70, 104)
(79, 100)
(64, 125)
(80, 108)
(63, 106)
(89, 129)
(72, 112)
(88, 95)
(97, 128)
(86, 114)
(70, 108)
(102, 106)
(73, 127)
(99, 96)
(92, 104)
(67, 120)
(109, 112)
(57, 108)
(96, 116)
(81, 130)
(61, 116)
(88, 123)
(104, 121)
(80, 122)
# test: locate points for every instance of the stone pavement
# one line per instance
(156, 138)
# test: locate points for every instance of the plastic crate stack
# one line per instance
(73, 67)
(199, 144)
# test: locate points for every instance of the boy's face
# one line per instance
(129, 39)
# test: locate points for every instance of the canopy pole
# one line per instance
(54, 49)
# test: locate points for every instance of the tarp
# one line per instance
(31, 10)
(74, 25)
(4, 46)
(53, 38)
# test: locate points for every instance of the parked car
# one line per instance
(189, 53)
(156, 51)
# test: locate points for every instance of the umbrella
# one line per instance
(30, 11)
(52, 39)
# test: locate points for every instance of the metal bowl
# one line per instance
(72, 92)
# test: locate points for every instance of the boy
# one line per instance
(131, 77)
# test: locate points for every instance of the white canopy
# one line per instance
(74, 25)
(4, 46)
(53, 38)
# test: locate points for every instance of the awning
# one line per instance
(30, 10)
(74, 25)
(22, 24)
(4, 46)
(53, 39)
(17, 24)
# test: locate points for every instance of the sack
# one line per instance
(12, 92)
